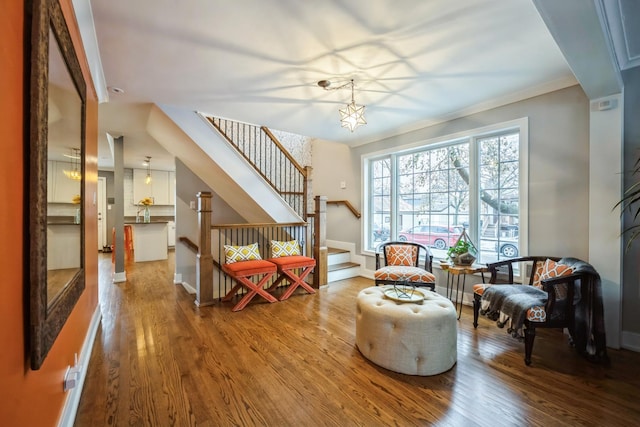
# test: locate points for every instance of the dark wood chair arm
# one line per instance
(428, 260)
(549, 286)
(494, 266)
(377, 260)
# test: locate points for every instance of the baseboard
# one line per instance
(369, 274)
(177, 278)
(187, 287)
(631, 341)
(72, 401)
(120, 277)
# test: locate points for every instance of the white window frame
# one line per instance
(472, 135)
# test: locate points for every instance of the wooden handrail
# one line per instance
(284, 151)
(257, 225)
(348, 204)
(188, 243)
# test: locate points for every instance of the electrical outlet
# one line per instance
(72, 375)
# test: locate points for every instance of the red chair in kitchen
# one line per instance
(241, 264)
(286, 256)
(128, 243)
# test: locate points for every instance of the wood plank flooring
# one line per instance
(159, 360)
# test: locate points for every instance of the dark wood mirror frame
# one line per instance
(48, 317)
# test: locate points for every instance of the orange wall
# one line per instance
(34, 398)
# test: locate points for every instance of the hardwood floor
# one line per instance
(159, 360)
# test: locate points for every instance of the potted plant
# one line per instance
(463, 252)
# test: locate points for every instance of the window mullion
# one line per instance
(393, 202)
(474, 191)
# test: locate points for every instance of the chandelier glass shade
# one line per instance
(147, 179)
(352, 115)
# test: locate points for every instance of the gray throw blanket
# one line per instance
(588, 335)
(512, 301)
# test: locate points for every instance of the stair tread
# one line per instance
(342, 266)
(336, 251)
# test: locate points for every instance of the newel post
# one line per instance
(204, 263)
(320, 242)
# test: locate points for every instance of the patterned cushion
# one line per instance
(536, 276)
(401, 254)
(479, 288)
(405, 273)
(537, 314)
(553, 269)
(280, 249)
(241, 253)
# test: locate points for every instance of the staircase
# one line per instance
(340, 266)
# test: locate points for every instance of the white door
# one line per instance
(102, 212)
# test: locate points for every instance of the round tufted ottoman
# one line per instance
(410, 338)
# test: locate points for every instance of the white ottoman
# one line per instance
(410, 338)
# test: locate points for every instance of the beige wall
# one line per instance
(188, 185)
(334, 163)
(558, 170)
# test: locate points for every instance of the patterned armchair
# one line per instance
(402, 265)
(561, 293)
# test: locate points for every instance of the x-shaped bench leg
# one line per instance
(295, 281)
(253, 289)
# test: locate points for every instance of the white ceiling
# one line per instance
(414, 63)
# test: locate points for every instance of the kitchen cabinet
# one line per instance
(60, 188)
(172, 188)
(158, 189)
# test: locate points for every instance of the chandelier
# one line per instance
(75, 173)
(147, 161)
(352, 115)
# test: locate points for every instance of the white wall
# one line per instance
(605, 186)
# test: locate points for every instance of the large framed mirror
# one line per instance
(56, 178)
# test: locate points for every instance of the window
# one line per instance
(430, 193)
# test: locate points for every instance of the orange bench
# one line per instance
(287, 266)
(241, 272)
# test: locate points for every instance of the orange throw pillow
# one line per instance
(554, 269)
(401, 255)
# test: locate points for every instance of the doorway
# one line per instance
(102, 213)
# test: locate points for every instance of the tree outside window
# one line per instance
(434, 197)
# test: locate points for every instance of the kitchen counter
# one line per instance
(61, 220)
(146, 223)
(63, 245)
(149, 240)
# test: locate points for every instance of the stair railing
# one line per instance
(348, 205)
(270, 159)
(212, 283)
